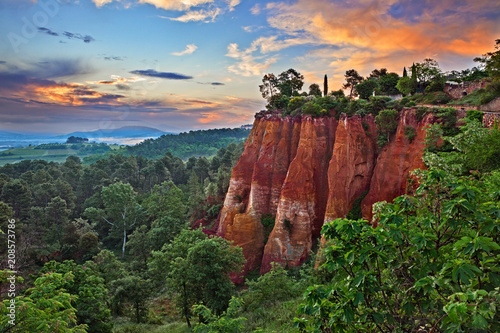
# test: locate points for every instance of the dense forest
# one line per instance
(125, 244)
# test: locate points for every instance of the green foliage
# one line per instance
(475, 115)
(491, 60)
(227, 322)
(270, 288)
(410, 133)
(314, 90)
(405, 85)
(91, 302)
(296, 103)
(366, 88)
(387, 124)
(387, 84)
(480, 146)
(197, 270)
(188, 144)
(355, 212)
(352, 78)
(134, 290)
(311, 108)
(436, 84)
(46, 308)
(267, 221)
(288, 225)
(430, 263)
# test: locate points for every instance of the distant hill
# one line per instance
(123, 132)
(188, 144)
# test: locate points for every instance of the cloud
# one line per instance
(163, 75)
(194, 10)
(196, 16)
(255, 10)
(247, 64)
(190, 48)
(47, 31)
(118, 81)
(217, 83)
(109, 58)
(86, 38)
(386, 29)
(3, 62)
(26, 89)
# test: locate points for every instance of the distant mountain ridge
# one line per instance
(122, 132)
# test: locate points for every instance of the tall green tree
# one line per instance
(325, 86)
(121, 210)
(365, 88)
(197, 269)
(314, 90)
(352, 78)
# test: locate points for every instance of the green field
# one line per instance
(50, 152)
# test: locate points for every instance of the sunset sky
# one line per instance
(176, 65)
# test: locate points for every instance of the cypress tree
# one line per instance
(405, 74)
(325, 86)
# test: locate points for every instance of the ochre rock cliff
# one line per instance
(306, 171)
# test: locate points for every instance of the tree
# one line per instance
(325, 86)
(405, 85)
(46, 308)
(121, 210)
(269, 86)
(76, 139)
(425, 71)
(386, 125)
(491, 60)
(378, 73)
(135, 290)
(387, 84)
(314, 90)
(57, 212)
(352, 79)
(91, 302)
(405, 74)
(197, 269)
(290, 82)
(365, 88)
(430, 264)
(226, 322)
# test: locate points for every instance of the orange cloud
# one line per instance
(397, 32)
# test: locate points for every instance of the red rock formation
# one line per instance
(306, 171)
(301, 209)
(395, 162)
(256, 182)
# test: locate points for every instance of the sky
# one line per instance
(178, 65)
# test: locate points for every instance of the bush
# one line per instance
(475, 115)
(296, 103)
(410, 133)
(311, 108)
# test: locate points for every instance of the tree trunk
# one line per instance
(124, 239)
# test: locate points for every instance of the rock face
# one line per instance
(307, 171)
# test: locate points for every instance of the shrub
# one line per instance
(475, 115)
(311, 108)
(410, 133)
(296, 103)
